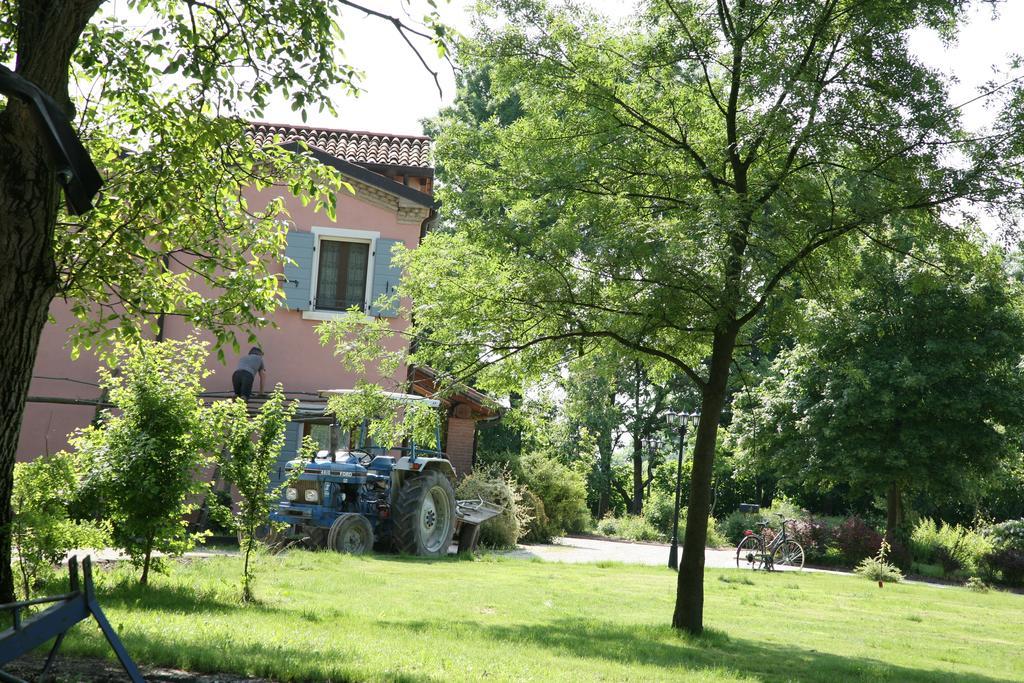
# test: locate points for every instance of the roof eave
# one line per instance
(400, 169)
(363, 174)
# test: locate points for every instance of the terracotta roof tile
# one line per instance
(355, 146)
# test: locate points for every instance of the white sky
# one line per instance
(399, 93)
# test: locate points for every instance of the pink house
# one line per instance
(338, 263)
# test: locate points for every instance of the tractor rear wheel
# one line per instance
(351, 534)
(424, 515)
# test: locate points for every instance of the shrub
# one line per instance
(925, 540)
(1009, 563)
(833, 556)
(856, 540)
(814, 535)
(948, 560)
(658, 510)
(562, 490)
(1007, 554)
(976, 585)
(716, 539)
(249, 449)
(41, 531)
(608, 525)
(929, 570)
(874, 569)
(630, 527)
(1009, 534)
(781, 507)
(536, 529)
(878, 569)
(899, 555)
(952, 547)
(640, 528)
(495, 484)
(145, 461)
(735, 523)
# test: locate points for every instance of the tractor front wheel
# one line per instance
(425, 515)
(351, 534)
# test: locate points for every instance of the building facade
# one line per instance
(337, 264)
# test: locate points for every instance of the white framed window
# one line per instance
(343, 266)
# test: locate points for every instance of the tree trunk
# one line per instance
(24, 302)
(892, 513)
(47, 35)
(766, 493)
(515, 400)
(637, 504)
(604, 467)
(144, 580)
(638, 476)
(650, 476)
(246, 576)
(689, 611)
(28, 281)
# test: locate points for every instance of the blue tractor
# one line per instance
(349, 499)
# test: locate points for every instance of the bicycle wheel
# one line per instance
(749, 554)
(789, 554)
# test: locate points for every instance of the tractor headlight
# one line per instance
(311, 496)
(291, 493)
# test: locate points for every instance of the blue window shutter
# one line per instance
(298, 284)
(290, 449)
(386, 275)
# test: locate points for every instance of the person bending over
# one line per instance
(248, 367)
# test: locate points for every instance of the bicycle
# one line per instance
(755, 553)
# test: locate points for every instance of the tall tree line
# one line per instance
(667, 182)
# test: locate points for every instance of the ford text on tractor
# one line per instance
(350, 498)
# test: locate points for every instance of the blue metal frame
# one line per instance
(55, 621)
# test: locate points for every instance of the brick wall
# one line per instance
(460, 444)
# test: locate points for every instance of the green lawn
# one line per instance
(328, 617)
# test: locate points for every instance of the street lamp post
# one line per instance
(681, 421)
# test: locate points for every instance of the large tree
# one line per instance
(913, 385)
(666, 181)
(161, 98)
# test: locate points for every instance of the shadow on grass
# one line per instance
(171, 598)
(235, 662)
(239, 657)
(664, 647)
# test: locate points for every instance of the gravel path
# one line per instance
(571, 549)
(575, 549)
